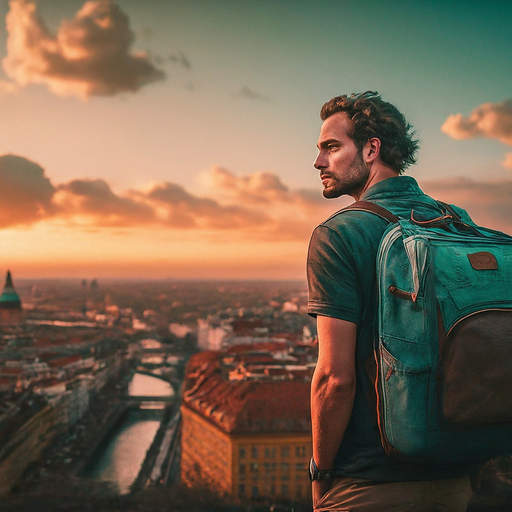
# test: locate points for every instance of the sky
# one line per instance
(175, 139)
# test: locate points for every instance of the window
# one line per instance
(241, 471)
(300, 472)
(284, 490)
(272, 489)
(285, 471)
(270, 452)
(255, 491)
(300, 451)
(255, 468)
(285, 452)
(241, 489)
(241, 452)
(298, 491)
(254, 452)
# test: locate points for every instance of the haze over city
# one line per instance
(176, 139)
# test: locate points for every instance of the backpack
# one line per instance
(444, 346)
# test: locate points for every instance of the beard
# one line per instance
(353, 179)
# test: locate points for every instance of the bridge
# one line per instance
(146, 398)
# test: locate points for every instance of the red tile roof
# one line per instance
(245, 406)
(11, 371)
(260, 346)
(64, 361)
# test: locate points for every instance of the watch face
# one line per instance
(312, 470)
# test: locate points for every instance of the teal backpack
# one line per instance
(444, 347)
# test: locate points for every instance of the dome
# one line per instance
(9, 298)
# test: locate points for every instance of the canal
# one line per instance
(120, 457)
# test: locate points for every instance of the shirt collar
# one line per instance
(397, 185)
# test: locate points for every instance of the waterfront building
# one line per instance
(246, 437)
(11, 312)
(23, 439)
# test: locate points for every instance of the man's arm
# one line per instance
(332, 392)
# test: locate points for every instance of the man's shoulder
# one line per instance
(347, 220)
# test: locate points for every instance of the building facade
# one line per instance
(245, 438)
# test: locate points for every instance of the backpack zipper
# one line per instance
(472, 314)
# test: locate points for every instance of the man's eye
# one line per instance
(332, 147)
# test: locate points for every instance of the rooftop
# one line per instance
(245, 406)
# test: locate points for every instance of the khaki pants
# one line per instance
(360, 495)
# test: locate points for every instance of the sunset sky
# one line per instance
(175, 139)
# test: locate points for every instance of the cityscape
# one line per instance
(162, 395)
(134, 388)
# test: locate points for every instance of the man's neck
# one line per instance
(378, 172)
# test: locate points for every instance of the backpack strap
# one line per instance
(367, 206)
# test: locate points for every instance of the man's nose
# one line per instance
(320, 162)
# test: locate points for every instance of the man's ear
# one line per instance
(371, 150)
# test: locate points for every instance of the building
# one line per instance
(246, 437)
(11, 312)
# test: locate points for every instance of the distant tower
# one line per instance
(10, 304)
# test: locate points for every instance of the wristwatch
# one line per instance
(318, 474)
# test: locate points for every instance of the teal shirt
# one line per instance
(342, 284)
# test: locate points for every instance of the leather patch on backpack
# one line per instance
(483, 261)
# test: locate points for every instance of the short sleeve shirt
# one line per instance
(342, 284)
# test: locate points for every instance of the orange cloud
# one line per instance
(89, 55)
(489, 203)
(182, 209)
(267, 210)
(491, 120)
(25, 193)
(95, 201)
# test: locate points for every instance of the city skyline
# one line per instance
(176, 139)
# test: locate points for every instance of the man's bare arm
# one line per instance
(332, 391)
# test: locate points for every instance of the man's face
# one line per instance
(340, 163)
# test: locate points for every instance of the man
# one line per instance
(365, 144)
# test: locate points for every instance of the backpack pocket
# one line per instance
(405, 392)
(475, 373)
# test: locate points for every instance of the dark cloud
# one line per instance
(251, 94)
(95, 200)
(89, 55)
(26, 194)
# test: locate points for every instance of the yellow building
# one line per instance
(242, 438)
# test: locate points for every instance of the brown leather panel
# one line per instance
(483, 261)
(400, 293)
(475, 377)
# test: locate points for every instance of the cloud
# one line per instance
(490, 120)
(179, 208)
(7, 87)
(94, 201)
(251, 94)
(489, 203)
(507, 163)
(253, 207)
(26, 194)
(89, 55)
(260, 187)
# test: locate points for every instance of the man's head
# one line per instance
(362, 141)
(370, 117)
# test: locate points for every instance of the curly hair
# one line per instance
(371, 116)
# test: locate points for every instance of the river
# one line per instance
(123, 453)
